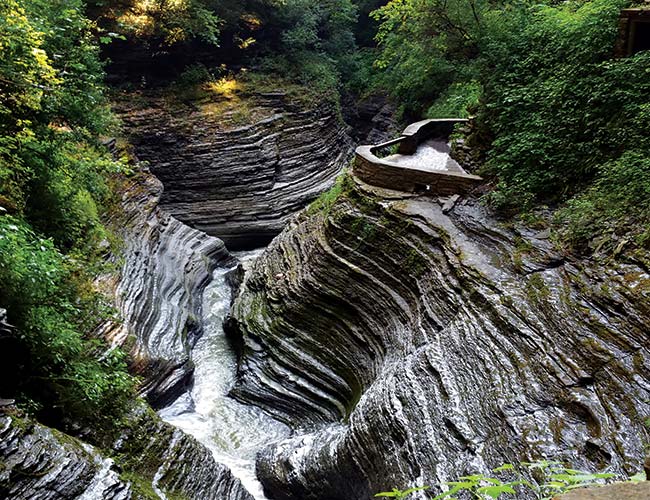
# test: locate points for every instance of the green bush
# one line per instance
(193, 75)
(426, 46)
(48, 363)
(557, 104)
(54, 183)
(456, 101)
(617, 203)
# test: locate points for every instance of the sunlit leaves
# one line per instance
(171, 21)
(53, 182)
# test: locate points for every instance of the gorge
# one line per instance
(295, 250)
(405, 338)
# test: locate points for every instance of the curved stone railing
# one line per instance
(387, 173)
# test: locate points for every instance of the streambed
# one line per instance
(234, 432)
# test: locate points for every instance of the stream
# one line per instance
(234, 432)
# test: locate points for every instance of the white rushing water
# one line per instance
(234, 432)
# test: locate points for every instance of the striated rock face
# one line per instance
(417, 343)
(240, 182)
(164, 266)
(174, 463)
(373, 119)
(157, 460)
(38, 464)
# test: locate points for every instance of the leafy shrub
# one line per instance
(47, 361)
(194, 74)
(543, 479)
(165, 23)
(53, 181)
(558, 106)
(456, 101)
(426, 46)
(617, 202)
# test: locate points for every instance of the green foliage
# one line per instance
(161, 22)
(569, 121)
(51, 168)
(399, 494)
(618, 202)
(559, 104)
(325, 202)
(543, 479)
(315, 45)
(194, 74)
(456, 101)
(427, 45)
(53, 182)
(48, 360)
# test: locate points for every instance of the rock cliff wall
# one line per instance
(417, 343)
(153, 460)
(164, 266)
(237, 168)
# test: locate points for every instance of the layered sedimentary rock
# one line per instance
(418, 341)
(237, 167)
(38, 464)
(164, 265)
(154, 460)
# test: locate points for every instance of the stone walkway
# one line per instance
(431, 156)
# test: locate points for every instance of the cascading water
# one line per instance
(234, 432)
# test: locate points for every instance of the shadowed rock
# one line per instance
(239, 181)
(416, 346)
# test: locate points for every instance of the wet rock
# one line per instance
(39, 463)
(448, 204)
(413, 346)
(164, 265)
(238, 180)
(152, 460)
(173, 462)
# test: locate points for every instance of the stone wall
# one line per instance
(374, 171)
(418, 132)
(377, 172)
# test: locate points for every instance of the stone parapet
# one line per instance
(378, 172)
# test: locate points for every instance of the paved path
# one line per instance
(431, 156)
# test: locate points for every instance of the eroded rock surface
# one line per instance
(153, 460)
(237, 167)
(38, 464)
(164, 266)
(418, 345)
